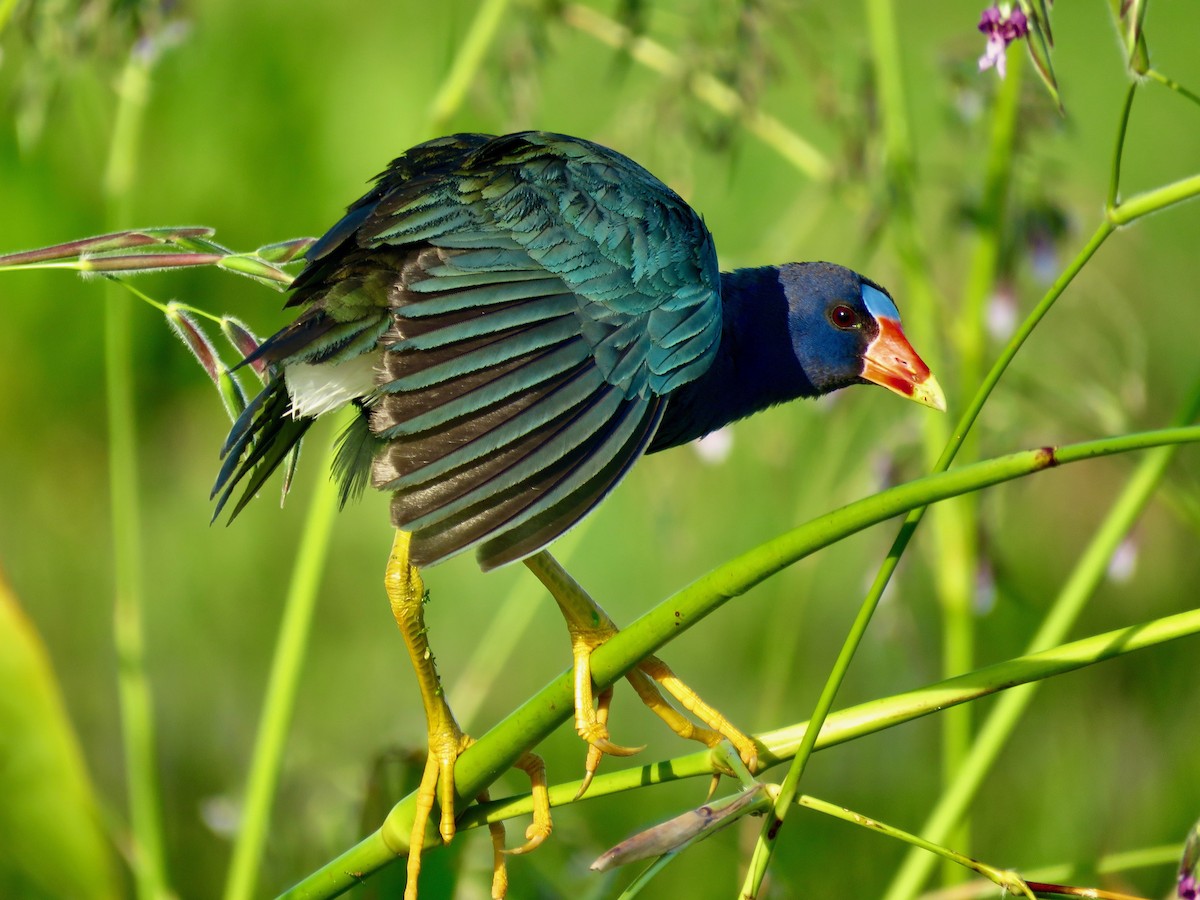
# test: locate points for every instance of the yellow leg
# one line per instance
(589, 627)
(406, 593)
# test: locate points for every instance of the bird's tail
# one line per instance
(271, 426)
(263, 436)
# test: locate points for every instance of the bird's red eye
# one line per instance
(843, 317)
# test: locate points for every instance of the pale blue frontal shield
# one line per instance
(879, 304)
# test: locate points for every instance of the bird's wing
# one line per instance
(345, 295)
(541, 295)
(562, 292)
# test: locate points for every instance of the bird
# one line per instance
(515, 321)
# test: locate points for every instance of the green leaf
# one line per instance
(1040, 41)
(255, 268)
(232, 395)
(1129, 16)
(285, 251)
(51, 841)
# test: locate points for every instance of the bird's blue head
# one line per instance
(845, 330)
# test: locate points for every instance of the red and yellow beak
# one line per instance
(891, 362)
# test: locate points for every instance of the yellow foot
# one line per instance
(650, 674)
(539, 829)
(537, 832)
(437, 785)
(590, 627)
(718, 726)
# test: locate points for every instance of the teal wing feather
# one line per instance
(345, 300)
(542, 295)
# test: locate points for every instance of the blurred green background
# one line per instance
(267, 119)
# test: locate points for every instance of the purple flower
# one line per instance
(1189, 869)
(1002, 27)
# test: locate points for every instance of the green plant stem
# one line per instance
(1164, 855)
(1154, 200)
(495, 752)
(709, 90)
(899, 174)
(1114, 178)
(1008, 881)
(380, 848)
(1086, 577)
(1140, 205)
(148, 858)
(282, 683)
(291, 645)
(1173, 85)
(956, 563)
(472, 50)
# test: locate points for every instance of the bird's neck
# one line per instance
(755, 366)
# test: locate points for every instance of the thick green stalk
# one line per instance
(495, 752)
(133, 689)
(871, 717)
(380, 848)
(1086, 577)
(279, 703)
(1154, 200)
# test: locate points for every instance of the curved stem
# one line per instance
(1173, 85)
(1114, 181)
(709, 90)
(282, 683)
(551, 706)
(379, 848)
(1064, 612)
(133, 688)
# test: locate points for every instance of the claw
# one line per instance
(541, 826)
(594, 753)
(589, 627)
(660, 672)
(591, 722)
(607, 747)
(416, 840)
